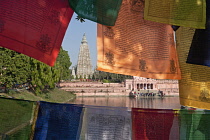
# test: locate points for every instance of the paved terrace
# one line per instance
(95, 88)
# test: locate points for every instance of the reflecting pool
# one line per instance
(141, 102)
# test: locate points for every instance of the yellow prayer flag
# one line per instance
(194, 87)
(187, 13)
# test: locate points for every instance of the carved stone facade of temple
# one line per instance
(84, 66)
(169, 87)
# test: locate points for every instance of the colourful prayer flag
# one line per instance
(194, 125)
(194, 89)
(101, 11)
(200, 47)
(34, 27)
(16, 117)
(58, 121)
(137, 47)
(152, 124)
(187, 13)
(106, 123)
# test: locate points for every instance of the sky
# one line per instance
(73, 37)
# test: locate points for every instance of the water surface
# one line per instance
(157, 103)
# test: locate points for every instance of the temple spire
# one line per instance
(84, 40)
(84, 66)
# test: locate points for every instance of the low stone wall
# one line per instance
(90, 84)
(95, 90)
(103, 94)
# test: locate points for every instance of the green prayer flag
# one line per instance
(194, 125)
(15, 119)
(101, 11)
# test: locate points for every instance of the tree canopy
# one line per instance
(109, 77)
(18, 69)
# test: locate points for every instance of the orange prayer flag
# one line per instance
(34, 28)
(137, 47)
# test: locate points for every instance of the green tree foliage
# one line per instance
(80, 19)
(72, 77)
(42, 76)
(17, 69)
(111, 77)
(14, 67)
(76, 77)
(80, 77)
(64, 62)
(94, 77)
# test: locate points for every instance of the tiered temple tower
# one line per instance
(84, 66)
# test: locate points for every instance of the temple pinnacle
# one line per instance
(84, 40)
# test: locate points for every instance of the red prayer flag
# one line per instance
(152, 124)
(34, 27)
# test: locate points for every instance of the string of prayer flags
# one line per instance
(200, 47)
(177, 12)
(34, 28)
(21, 119)
(101, 11)
(194, 89)
(137, 47)
(58, 121)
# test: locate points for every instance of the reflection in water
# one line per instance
(158, 103)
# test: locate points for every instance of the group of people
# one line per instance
(138, 93)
